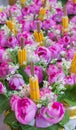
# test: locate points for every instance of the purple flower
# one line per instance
(12, 42)
(69, 80)
(44, 53)
(47, 24)
(3, 39)
(54, 74)
(16, 82)
(49, 116)
(2, 55)
(25, 109)
(2, 88)
(37, 71)
(3, 69)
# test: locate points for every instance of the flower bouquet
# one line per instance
(37, 66)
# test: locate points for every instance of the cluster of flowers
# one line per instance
(52, 61)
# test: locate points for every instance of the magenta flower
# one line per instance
(66, 39)
(12, 42)
(25, 109)
(44, 53)
(69, 80)
(54, 74)
(47, 24)
(2, 88)
(3, 69)
(2, 55)
(50, 116)
(55, 50)
(16, 82)
(3, 17)
(3, 39)
(37, 71)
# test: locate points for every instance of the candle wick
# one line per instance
(22, 43)
(32, 68)
(44, 4)
(38, 27)
(65, 10)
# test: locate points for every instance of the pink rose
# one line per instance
(2, 88)
(3, 39)
(37, 71)
(50, 116)
(16, 82)
(44, 53)
(54, 74)
(2, 55)
(25, 109)
(12, 42)
(3, 69)
(69, 80)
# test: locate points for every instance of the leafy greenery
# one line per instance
(69, 96)
(26, 127)
(65, 119)
(4, 103)
(63, 1)
(11, 120)
(25, 77)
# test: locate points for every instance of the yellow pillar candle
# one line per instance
(9, 24)
(34, 89)
(42, 13)
(34, 85)
(22, 54)
(73, 65)
(38, 34)
(22, 1)
(65, 21)
(74, 1)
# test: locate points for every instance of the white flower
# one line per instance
(71, 125)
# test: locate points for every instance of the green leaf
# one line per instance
(26, 127)
(11, 120)
(65, 119)
(4, 103)
(63, 1)
(25, 76)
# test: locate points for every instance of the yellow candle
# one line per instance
(22, 1)
(73, 65)
(0, 9)
(34, 88)
(9, 24)
(42, 13)
(74, 1)
(65, 21)
(22, 56)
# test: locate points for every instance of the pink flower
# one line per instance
(3, 17)
(24, 108)
(12, 42)
(44, 91)
(2, 55)
(3, 69)
(2, 88)
(50, 116)
(44, 53)
(69, 80)
(16, 82)
(55, 50)
(3, 39)
(37, 71)
(47, 24)
(54, 74)
(66, 39)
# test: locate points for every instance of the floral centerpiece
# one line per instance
(37, 66)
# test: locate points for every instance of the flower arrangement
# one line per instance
(37, 65)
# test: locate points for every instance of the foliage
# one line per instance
(63, 1)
